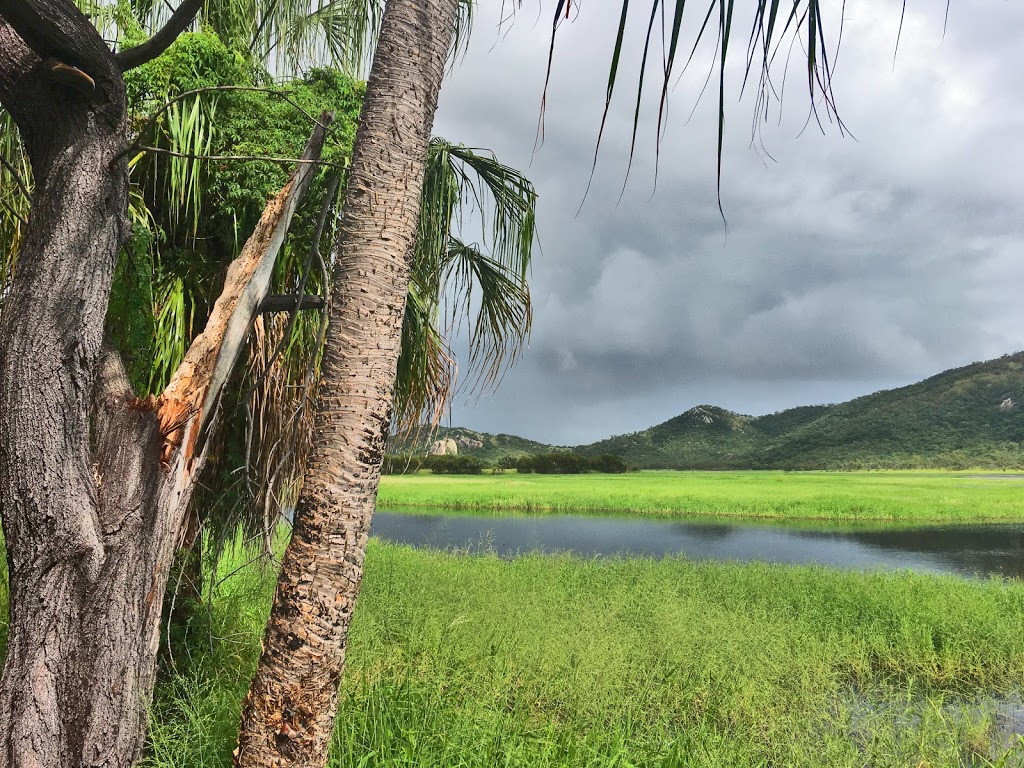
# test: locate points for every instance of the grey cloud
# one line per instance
(846, 265)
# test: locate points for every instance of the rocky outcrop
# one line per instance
(446, 447)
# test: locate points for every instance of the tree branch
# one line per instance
(16, 176)
(57, 29)
(78, 79)
(180, 20)
(188, 403)
(228, 158)
(16, 64)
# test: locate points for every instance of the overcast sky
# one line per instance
(847, 265)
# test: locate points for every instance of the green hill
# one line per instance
(486, 447)
(965, 417)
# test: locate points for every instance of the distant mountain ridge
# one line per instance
(964, 417)
(486, 447)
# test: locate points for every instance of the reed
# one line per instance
(905, 497)
(544, 661)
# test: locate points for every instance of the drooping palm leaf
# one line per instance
(453, 282)
(804, 18)
(498, 301)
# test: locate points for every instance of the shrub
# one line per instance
(454, 465)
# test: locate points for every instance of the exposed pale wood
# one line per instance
(186, 405)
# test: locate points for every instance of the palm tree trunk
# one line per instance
(288, 716)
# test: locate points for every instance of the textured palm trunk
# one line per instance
(288, 716)
(94, 483)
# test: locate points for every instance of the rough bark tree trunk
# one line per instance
(94, 484)
(288, 716)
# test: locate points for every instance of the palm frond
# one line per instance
(427, 371)
(805, 20)
(187, 130)
(486, 289)
(498, 300)
(173, 328)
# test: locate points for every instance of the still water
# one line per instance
(975, 550)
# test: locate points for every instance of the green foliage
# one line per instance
(889, 497)
(569, 463)
(132, 302)
(453, 465)
(545, 662)
(15, 187)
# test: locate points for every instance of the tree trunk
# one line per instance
(288, 716)
(94, 484)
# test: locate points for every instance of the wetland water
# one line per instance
(968, 550)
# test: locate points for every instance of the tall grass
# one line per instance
(906, 497)
(541, 661)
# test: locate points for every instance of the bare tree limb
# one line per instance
(180, 20)
(188, 403)
(16, 176)
(225, 158)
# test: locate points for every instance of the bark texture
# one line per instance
(54, 517)
(91, 497)
(288, 716)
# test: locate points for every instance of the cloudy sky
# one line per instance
(847, 264)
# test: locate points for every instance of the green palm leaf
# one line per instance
(804, 18)
(453, 282)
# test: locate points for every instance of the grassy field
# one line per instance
(540, 662)
(903, 497)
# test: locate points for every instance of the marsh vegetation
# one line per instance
(470, 660)
(906, 497)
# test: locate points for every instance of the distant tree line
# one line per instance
(556, 463)
(570, 463)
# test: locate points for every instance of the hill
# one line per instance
(486, 447)
(964, 417)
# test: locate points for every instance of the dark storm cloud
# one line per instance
(846, 265)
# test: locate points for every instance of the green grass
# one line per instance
(543, 661)
(904, 497)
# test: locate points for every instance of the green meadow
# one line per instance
(900, 497)
(556, 661)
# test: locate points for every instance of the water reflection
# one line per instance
(980, 550)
